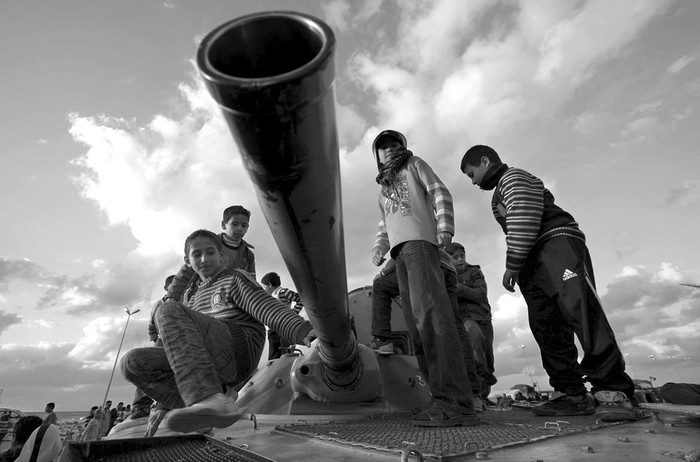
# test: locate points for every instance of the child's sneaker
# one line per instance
(614, 406)
(564, 405)
(383, 347)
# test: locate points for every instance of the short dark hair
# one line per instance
(51, 405)
(453, 246)
(168, 281)
(24, 428)
(202, 233)
(235, 210)
(474, 154)
(271, 278)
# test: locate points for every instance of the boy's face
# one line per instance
(459, 260)
(476, 172)
(204, 257)
(268, 288)
(388, 149)
(236, 227)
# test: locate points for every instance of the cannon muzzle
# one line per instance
(272, 75)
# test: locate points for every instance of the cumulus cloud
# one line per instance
(687, 193)
(681, 63)
(8, 319)
(652, 313)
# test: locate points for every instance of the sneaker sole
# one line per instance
(189, 420)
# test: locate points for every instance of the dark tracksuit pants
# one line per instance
(559, 287)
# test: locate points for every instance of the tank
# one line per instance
(272, 75)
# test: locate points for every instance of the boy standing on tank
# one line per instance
(237, 253)
(272, 284)
(474, 308)
(548, 258)
(416, 216)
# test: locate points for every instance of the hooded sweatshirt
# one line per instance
(415, 206)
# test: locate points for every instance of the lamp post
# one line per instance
(656, 368)
(128, 316)
(534, 385)
(630, 364)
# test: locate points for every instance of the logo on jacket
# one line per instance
(568, 274)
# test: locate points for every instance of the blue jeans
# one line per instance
(422, 283)
(196, 360)
(384, 290)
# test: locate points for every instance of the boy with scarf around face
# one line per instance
(416, 216)
(548, 258)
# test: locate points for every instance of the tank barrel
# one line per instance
(272, 74)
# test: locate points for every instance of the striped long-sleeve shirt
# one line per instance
(417, 207)
(526, 211)
(234, 297)
(288, 296)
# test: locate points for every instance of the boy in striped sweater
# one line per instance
(547, 257)
(416, 218)
(272, 284)
(212, 340)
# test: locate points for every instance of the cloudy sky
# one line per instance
(113, 152)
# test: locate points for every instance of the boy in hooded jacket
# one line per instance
(416, 217)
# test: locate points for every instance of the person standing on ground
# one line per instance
(416, 217)
(236, 252)
(548, 259)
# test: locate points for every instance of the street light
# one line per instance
(656, 368)
(534, 385)
(128, 316)
(630, 364)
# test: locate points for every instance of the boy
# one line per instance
(272, 284)
(237, 253)
(212, 340)
(474, 308)
(548, 258)
(416, 216)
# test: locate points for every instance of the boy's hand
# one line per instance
(444, 239)
(510, 278)
(310, 337)
(377, 258)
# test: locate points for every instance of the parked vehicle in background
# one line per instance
(645, 392)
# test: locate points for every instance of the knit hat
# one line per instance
(453, 246)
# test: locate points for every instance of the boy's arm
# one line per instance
(181, 282)
(289, 296)
(268, 310)
(250, 263)
(441, 199)
(381, 241)
(523, 195)
(476, 290)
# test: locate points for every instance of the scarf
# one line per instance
(493, 176)
(387, 171)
